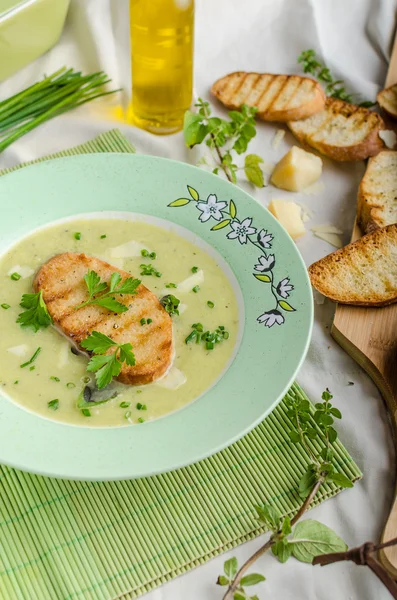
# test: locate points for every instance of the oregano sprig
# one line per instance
(225, 138)
(333, 87)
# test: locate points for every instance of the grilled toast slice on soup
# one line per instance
(61, 281)
(277, 97)
(342, 131)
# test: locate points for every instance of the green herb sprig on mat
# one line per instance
(224, 138)
(333, 87)
(63, 90)
(309, 538)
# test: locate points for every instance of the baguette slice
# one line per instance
(377, 194)
(388, 100)
(277, 97)
(342, 131)
(363, 273)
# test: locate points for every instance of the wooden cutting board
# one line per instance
(369, 335)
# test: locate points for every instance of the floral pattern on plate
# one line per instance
(245, 232)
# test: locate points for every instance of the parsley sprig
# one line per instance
(333, 87)
(36, 314)
(225, 138)
(106, 366)
(106, 298)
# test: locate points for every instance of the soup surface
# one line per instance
(51, 384)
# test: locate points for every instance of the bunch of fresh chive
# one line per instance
(63, 90)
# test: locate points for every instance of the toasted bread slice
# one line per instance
(277, 97)
(341, 131)
(388, 100)
(377, 194)
(363, 273)
(61, 281)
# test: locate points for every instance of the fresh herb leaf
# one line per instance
(252, 579)
(53, 404)
(194, 129)
(111, 304)
(282, 550)
(312, 538)
(97, 343)
(253, 171)
(106, 366)
(269, 515)
(222, 580)
(230, 568)
(116, 286)
(32, 359)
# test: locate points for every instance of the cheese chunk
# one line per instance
(289, 215)
(297, 170)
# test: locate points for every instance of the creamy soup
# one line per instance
(51, 384)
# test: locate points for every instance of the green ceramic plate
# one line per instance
(276, 311)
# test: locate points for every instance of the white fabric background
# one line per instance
(354, 37)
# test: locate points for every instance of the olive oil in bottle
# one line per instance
(162, 63)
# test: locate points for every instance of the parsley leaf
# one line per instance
(111, 304)
(36, 314)
(106, 366)
(97, 343)
(95, 286)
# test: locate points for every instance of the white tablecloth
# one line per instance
(354, 37)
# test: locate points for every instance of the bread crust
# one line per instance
(387, 99)
(370, 204)
(370, 145)
(341, 277)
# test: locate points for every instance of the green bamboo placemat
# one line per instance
(66, 540)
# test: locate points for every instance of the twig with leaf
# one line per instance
(308, 538)
(333, 87)
(225, 138)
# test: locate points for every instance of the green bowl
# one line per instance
(28, 28)
(276, 316)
